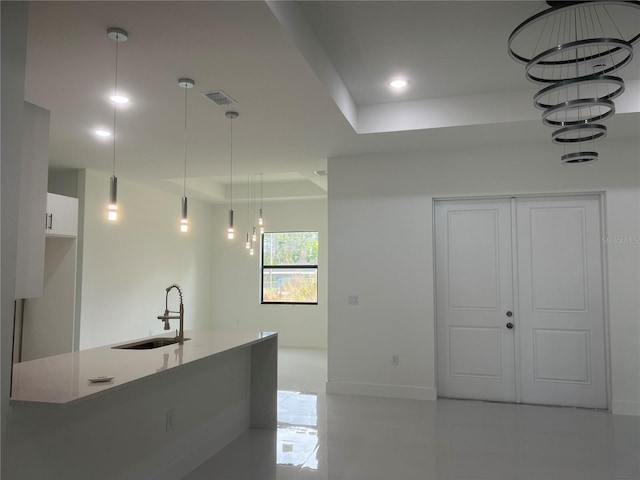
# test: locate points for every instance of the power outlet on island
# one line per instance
(169, 421)
(395, 359)
(353, 300)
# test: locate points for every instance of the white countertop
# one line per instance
(63, 379)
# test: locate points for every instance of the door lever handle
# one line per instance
(509, 325)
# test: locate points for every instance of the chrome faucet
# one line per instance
(166, 317)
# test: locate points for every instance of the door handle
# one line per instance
(509, 325)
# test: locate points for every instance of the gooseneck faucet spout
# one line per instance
(166, 317)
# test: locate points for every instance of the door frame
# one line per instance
(602, 198)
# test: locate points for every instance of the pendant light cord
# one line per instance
(249, 180)
(231, 168)
(115, 106)
(184, 187)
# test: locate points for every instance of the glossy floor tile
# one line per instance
(337, 437)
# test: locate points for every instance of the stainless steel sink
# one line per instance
(149, 344)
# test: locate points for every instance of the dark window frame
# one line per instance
(284, 267)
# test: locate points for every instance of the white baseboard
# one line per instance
(625, 408)
(389, 391)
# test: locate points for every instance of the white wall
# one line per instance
(126, 266)
(391, 266)
(235, 286)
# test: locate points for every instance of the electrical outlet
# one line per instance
(169, 420)
(353, 299)
(395, 359)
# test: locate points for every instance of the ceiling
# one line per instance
(310, 80)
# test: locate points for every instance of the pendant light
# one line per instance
(231, 233)
(185, 83)
(117, 35)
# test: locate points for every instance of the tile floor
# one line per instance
(335, 437)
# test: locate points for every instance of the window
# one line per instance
(290, 268)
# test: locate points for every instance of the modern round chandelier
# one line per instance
(574, 51)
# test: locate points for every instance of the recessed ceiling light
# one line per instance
(119, 99)
(398, 83)
(103, 133)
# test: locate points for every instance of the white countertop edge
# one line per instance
(107, 388)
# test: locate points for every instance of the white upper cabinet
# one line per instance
(32, 199)
(62, 216)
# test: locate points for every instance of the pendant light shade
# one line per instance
(184, 223)
(118, 35)
(231, 233)
(112, 213)
(185, 83)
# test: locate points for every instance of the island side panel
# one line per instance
(126, 435)
(264, 384)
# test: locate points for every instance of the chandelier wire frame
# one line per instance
(573, 49)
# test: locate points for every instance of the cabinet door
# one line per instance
(31, 202)
(62, 215)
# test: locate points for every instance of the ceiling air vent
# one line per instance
(219, 97)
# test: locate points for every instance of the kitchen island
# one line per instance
(165, 411)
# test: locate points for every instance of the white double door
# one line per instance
(520, 300)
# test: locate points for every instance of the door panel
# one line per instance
(475, 352)
(472, 256)
(561, 319)
(557, 257)
(561, 356)
(474, 290)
